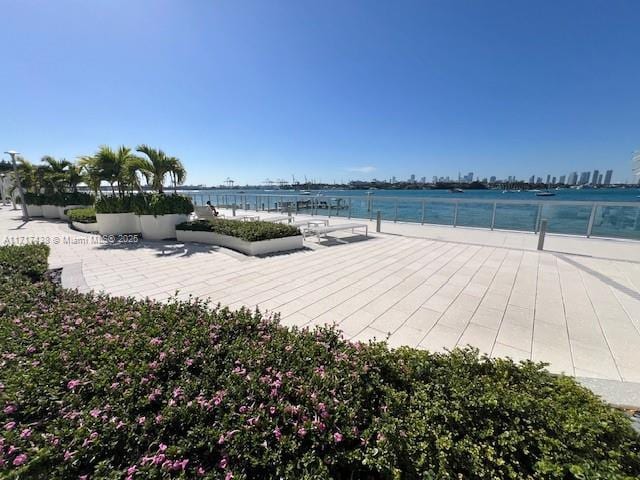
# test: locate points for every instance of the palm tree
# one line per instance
(117, 167)
(177, 172)
(55, 173)
(90, 171)
(157, 166)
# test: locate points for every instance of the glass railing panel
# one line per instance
(617, 221)
(567, 219)
(409, 211)
(474, 214)
(517, 216)
(439, 213)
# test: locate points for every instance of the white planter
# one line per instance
(118, 223)
(34, 210)
(61, 210)
(50, 211)
(263, 247)
(85, 227)
(160, 227)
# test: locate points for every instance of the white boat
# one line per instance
(545, 194)
(305, 192)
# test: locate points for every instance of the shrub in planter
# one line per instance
(115, 215)
(159, 214)
(249, 231)
(82, 215)
(116, 388)
(78, 198)
(33, 202)
(160, 204)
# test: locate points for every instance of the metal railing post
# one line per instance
(233, 209)
(378, 221)
(349, 208)
(395, 219)
(455, 216)
(543, 231)
(493, 215)
(591, 219)
(536, 225)
(423, 206)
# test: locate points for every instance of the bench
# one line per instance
(205, 213)
(279, 219)
(322, 231)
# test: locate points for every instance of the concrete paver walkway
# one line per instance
(581, 314)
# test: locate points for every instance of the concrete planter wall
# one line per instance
(118, 223)
(50, 211)
(85, 227)
(160, 227)
(34, 210)
(61, 210)
(262, 247)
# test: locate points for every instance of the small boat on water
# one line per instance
(305, 192)
(511, 191)
(545, 194)
(456, 190)
(535, 190)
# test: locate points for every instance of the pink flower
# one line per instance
(155, 341)
(10, 426)
(162, 447)
(337, 437)
(277, 433)
(302, 432)
(20, 460)
(131, 470)
(72, 384)
(201, 472)
(26, 433)
(68, 455)
(228, 476)
(95, 413)
(9, 409)
(223, 463)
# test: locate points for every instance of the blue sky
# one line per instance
(329, 89)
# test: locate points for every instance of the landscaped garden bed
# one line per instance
(159, 214)
(99, 387)
(84, 219)
(250, 238)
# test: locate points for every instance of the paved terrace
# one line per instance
(579, 313)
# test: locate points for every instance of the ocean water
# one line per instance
(616, 214)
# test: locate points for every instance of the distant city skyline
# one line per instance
(329, 90)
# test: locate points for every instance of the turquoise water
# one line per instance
(617, 213)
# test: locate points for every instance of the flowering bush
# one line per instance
(100, 387)
(249, 231)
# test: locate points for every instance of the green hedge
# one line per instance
(59, 199)
(23, 260)
(82, 215)
(145, 204)
(249, 231)
(119, 388)
(160, 204)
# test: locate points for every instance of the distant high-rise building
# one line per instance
(573, 178)
(584, 178)
(607, 177)
(553, 180)
(492, 179)
(539, 180)
(393, 179)
(423, 180)
(435, 179)
(532, 179)
(600, 179)
(412, 178)
(594, 178)
(562, 178)
(548, 179)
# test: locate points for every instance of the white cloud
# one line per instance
(364, 169)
